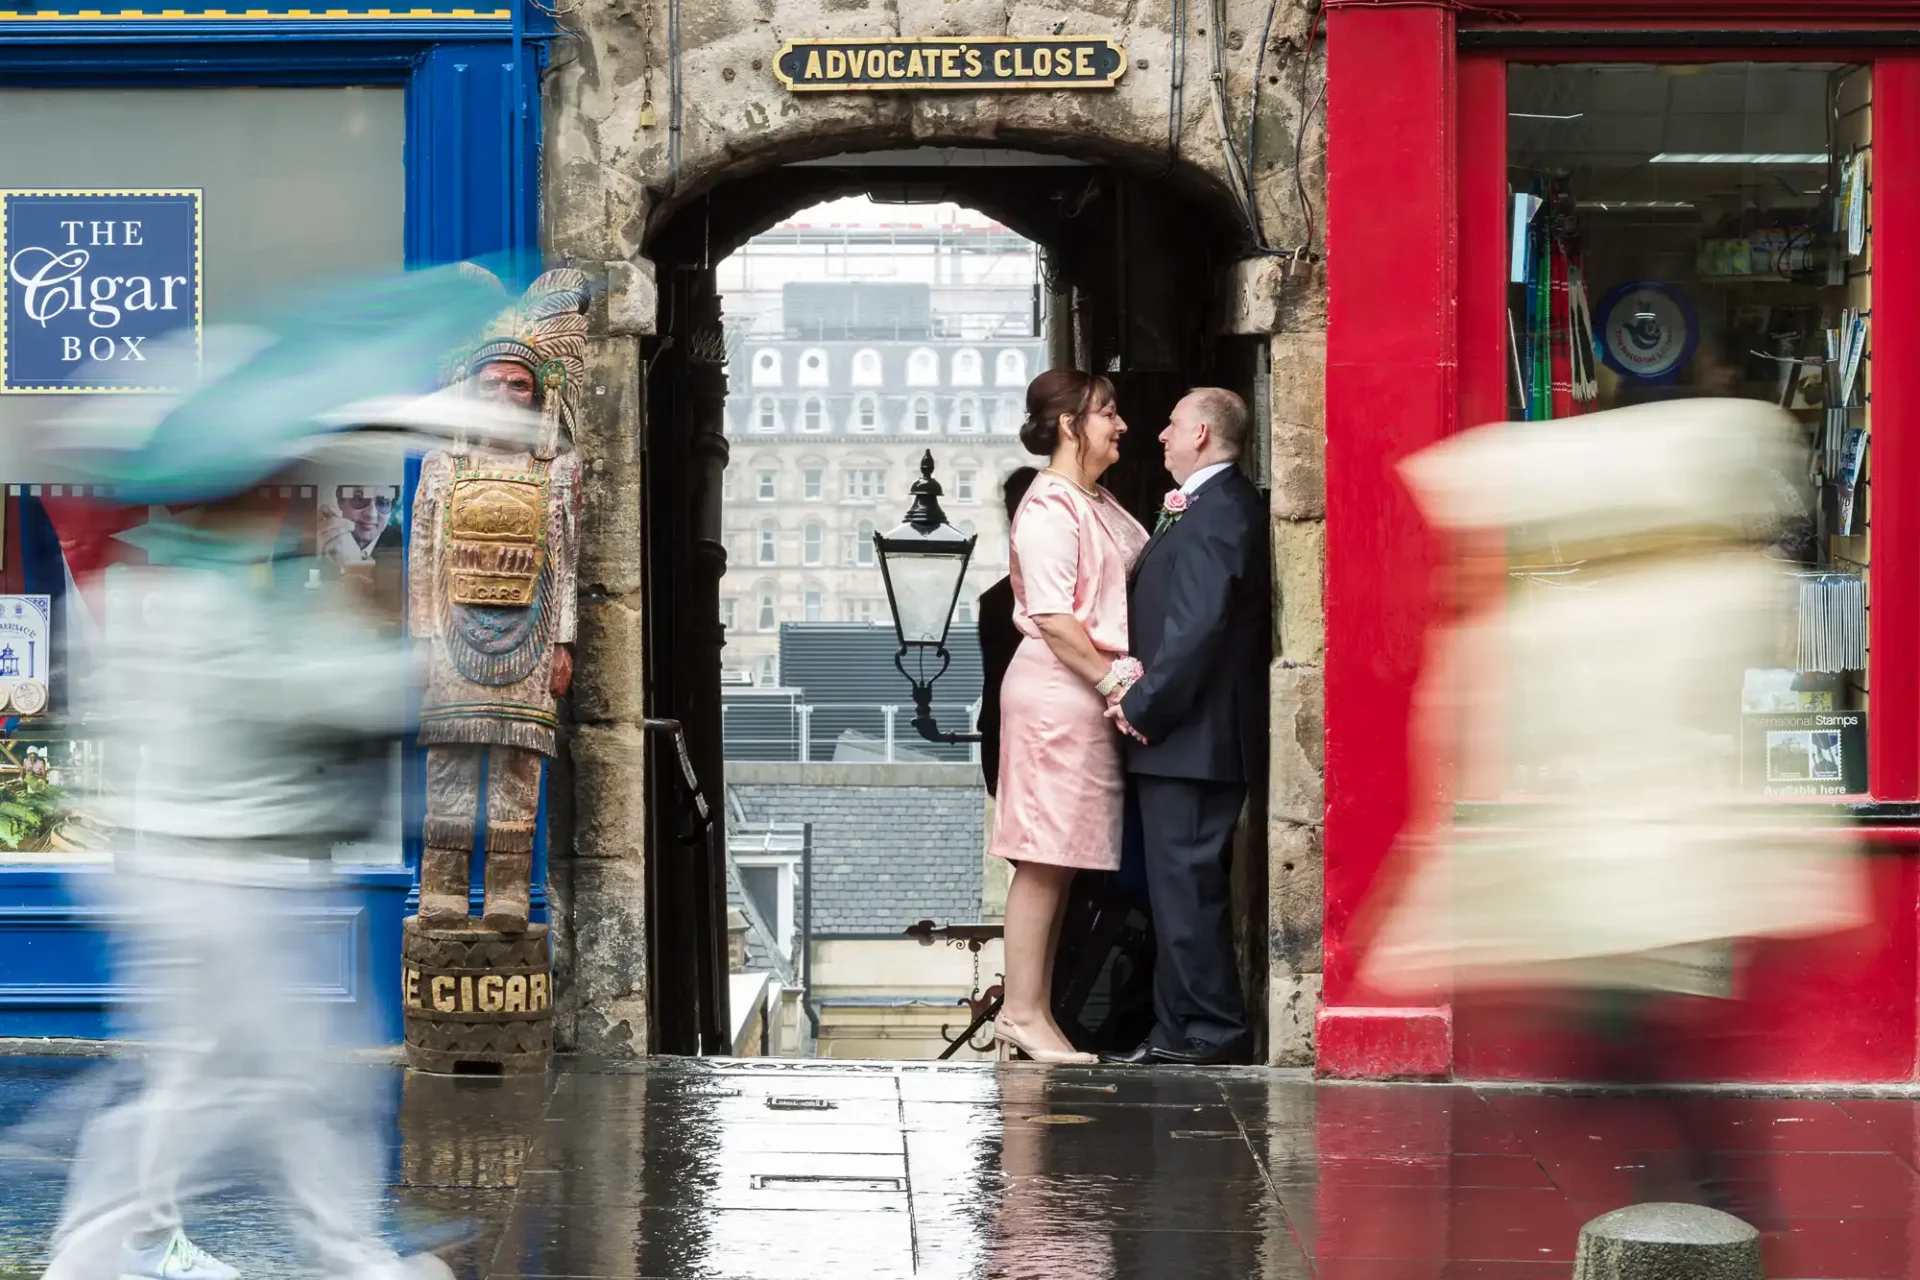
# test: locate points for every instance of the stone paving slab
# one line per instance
(758, 1170)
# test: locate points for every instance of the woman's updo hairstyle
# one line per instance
(1058, 392)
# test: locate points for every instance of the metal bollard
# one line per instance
(1668, 1242)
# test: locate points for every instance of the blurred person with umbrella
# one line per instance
(248, 720)
(1599, 700)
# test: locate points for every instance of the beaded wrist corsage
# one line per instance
(1120, 677)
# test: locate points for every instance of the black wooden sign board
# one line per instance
(950, 62)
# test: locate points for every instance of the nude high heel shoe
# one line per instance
(1006, 1041)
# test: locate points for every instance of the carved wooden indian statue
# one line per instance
(491, 582)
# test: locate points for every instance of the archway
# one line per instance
(1134, 252)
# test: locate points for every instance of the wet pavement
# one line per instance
(770, 1170)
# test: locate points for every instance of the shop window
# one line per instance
(1681, 231)
(866, 367)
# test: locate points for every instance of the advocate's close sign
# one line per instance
(951, 62)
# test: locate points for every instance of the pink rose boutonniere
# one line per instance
(1172, 507)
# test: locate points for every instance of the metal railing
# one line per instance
(842, 732)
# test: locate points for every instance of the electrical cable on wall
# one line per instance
(673, 95)
(1176, 81)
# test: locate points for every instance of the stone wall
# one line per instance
(612, 177)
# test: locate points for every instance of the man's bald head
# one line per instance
(1209, 425)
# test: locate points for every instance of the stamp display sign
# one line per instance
(91, 284)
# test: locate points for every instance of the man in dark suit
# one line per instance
(1200, 622)
(998, 640)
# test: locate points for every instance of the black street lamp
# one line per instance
(924, 562)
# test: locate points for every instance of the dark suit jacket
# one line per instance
(998, 640)
(1199, 616)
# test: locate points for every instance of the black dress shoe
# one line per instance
(1138, 1056)
(1195, 1053)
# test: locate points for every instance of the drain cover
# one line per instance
(834, 1181)
(800, 1104)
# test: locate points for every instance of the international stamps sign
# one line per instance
(91, 283)
(950, 62)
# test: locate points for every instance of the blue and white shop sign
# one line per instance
(1648, 331)
(94, 284)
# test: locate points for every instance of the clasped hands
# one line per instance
(1119, 718)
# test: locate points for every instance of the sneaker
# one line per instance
(175, 1258)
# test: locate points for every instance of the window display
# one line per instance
(138, 220)
(1683, 231)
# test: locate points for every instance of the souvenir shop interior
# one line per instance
(1703, 230)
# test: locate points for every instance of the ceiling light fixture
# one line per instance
(1742, 157)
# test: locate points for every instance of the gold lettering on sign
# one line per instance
(443, 993)
(896, 65)
(1021, 69)
(813, 64)
(517, 993)
(1043, 62)
(1083, 61)
(491, 992)
(1003, 62)
(836, 64)
(950, 64)
(974, 65)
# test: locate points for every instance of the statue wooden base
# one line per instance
(476, 1001)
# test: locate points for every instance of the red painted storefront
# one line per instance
(1417, 349)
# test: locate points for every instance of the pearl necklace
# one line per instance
(1091, 493)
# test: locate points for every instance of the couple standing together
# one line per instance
(1143, 663)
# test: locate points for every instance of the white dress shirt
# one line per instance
(1201, 476)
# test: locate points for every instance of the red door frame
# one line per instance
(1416, 181)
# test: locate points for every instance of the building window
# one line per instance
(766, 414)
(770, 670)
(923, 368)
(965, 527)
(727, 612)
(866, 414)
(963, 608)
(1007, 415)
(1010, 368)
(863, 610)
(767, 620)
(963, 485)
(766, 368)
(922, 416)
(813, 483)
(769, 487)
(864, 484)
(812, 538)
(813, 415)
(813, 368)
(966, 416)
(966, 367)
(816, 603)
(866, 368)
(726, 484)
(862, 548)
(769, 542)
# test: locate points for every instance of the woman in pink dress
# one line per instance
(1061, 781)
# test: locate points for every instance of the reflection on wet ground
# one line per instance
(764, 1170)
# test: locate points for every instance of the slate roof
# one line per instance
(883, 857)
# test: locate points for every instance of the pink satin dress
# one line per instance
(1061, 773)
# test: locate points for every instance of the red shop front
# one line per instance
(1744, 177)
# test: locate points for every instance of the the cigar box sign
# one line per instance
(988, 63)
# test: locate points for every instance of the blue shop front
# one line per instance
(162, 172)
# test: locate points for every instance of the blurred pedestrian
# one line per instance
(1059, 808)
(999, 639)
(248, 720)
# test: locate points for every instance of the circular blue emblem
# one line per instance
(1648, 331)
